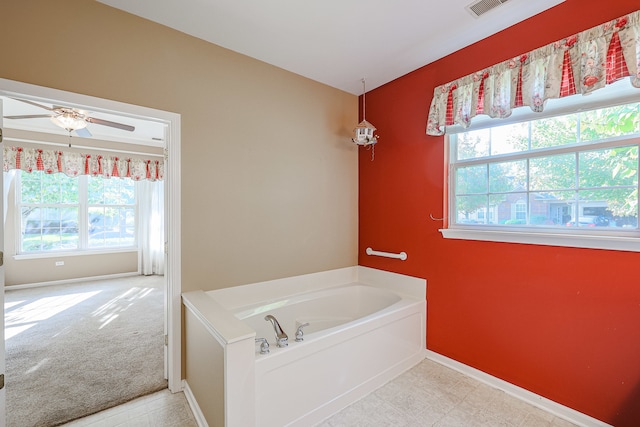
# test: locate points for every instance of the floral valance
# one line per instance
(74, 164)
(578, 64)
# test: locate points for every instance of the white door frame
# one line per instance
(3, 393)
(173, 274)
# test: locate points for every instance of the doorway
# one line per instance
(172, 201)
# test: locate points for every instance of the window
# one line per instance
(569, 174)
(520, 212)
(60, 213)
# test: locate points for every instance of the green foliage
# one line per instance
(474, 144)
(552, 172)
(609, 122)
(554, 131)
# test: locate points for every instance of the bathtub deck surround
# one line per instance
(365, 327)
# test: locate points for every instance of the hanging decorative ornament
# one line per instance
(364, 131)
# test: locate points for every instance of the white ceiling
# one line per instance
(147, 132)
(337, 42)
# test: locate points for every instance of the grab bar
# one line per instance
(401, 256)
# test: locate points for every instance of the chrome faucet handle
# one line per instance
(299, 333)
(264, 345)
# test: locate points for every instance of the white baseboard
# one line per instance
(561, 411)
(66, 281)
(193, 404)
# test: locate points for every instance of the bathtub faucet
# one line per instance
(264, 345)
(282, 340)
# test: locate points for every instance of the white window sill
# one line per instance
(619, 243)
(63, 254)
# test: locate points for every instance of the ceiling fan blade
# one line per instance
(33, 103)
(84, 132)
(110, 124)
(29, 116)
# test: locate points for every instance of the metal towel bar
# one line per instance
(401, 256)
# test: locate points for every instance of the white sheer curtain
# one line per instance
(8, 179)
(151, 226)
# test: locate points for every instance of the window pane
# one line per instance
(473, 144)
(510, 138)
(609, 122)
(468, 209)
(615, 207)
(508, 209)
(554, 208)
(127, 191)
(31, 186)
(497, 214)
(537, 174)
(114, 191)
(128, 238)
(95, 191)
(508, 176)
(112, 227)
(553, 172)
(518, 212)
(47, 229)
(58, 189)
(613, 167)
(38, 187)
(68, 188)
(471, 180)
(554, 131)
(50, 209)
(96, 220)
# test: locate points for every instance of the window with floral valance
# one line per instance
(88, 215)
(578, 64)
(73, 163)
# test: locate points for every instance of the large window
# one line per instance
(570, 174)
(60, 213)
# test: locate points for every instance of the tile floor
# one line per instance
(161, 409)
(431, 394)
(427, 395)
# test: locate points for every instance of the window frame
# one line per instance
(83, 224)
(611, 239)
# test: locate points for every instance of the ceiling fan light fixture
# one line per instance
(69, 120)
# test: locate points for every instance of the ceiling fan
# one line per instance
(70, 119)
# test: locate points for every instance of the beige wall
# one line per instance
(269, 179)
(204, 372)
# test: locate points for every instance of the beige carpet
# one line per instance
(73, 350)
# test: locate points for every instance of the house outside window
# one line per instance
(569, 173)
(61, 213)
(520, 212)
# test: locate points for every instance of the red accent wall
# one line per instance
(561, 322)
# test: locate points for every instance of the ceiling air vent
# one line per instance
(481, 7)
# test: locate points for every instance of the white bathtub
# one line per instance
(322, 309)
(365, 327)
